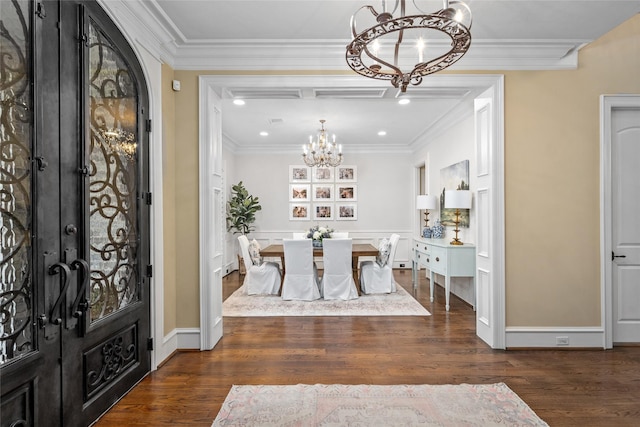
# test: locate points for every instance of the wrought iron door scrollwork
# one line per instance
(113, 178)
(16, 330)
(107, 361)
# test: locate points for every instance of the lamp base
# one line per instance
(456, 242)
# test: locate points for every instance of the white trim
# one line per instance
(607, 104)
(210, 296)
(217, 83)
(498, 226)
(329, 55)
(546, 337)
(151, 34)
(188, 338)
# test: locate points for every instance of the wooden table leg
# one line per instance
(354, 267)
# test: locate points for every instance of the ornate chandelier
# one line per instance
(381, 60)
(322, 152)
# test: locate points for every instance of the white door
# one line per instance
(212, 218)
(624, 189)
(490, 219)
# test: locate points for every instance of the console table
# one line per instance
(438, 256)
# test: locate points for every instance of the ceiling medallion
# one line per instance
(367, 56)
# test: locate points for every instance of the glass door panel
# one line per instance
(113, 179)
(16, 288)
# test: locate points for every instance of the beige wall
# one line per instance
(552, 185)
(552, 181)
(169, 194)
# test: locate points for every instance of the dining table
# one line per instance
(357, 250)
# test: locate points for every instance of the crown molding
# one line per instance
(149, 25)
(152, 34)
(270, 55)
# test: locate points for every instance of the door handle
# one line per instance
(65, 270)
(613, 256)
(80, 304)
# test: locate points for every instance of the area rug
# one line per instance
(400, 303)
(371, 405)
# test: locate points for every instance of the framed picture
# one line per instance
(322, 174)
(299, 211)
(299, 173)
(347, 211)
(299, 192)
(322, 192)
(346, 173)
(323, 211)
(346, 192)
(454, 177)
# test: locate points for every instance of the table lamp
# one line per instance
(457, 199)
(426, 202)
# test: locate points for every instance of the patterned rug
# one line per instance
(400, 303)
(370, 405)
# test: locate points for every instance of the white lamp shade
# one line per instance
(457, 199)
(426, 202)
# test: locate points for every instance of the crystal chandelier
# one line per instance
(370, 56)
(322, 152)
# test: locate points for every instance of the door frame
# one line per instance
(607, 104)
(215, 83)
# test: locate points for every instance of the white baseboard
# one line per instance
(179, 339)
(552, 337)
(188, 338)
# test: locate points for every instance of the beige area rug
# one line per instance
(400, 303)
(370, 405)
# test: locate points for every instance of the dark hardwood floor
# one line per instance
(564, 387)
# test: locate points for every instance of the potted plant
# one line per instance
(241, 213)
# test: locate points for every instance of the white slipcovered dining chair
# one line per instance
(337, 279)
(262, 278)
(376, 277)
(301, 274)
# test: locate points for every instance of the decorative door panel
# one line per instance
(74, 325)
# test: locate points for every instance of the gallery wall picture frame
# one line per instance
(347, 173)
(322, 174)
(299, 192)
(346, 192)
(347, 211)
(322, 192)
(299, 211)
(299, 173)
(323, 211)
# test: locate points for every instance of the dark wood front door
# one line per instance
(74, 297)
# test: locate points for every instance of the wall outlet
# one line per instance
(562, 340)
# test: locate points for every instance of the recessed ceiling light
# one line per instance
(382, 133)
(404, 101)
(238, 101)
(263, 133)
